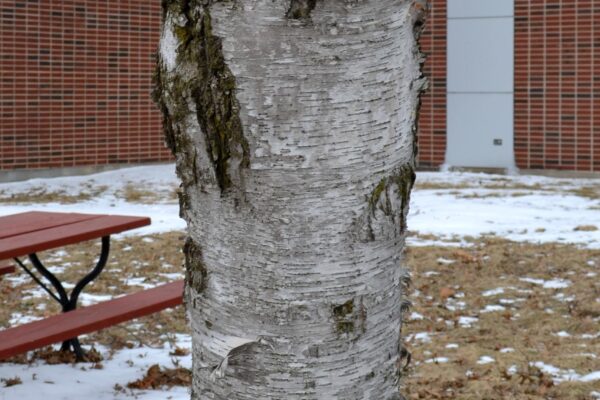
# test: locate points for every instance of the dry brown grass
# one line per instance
(591, 192)
(428, 185)
(495, 184)
(529, 323)
(506, 187)
(37, 195)
(135, 194)
(491, 195)
(586, 228)
(11, 381)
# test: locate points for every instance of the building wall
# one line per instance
(432, 119)
(75, 83)
(557, 84)
(76, 77)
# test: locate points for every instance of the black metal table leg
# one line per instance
(68, 302)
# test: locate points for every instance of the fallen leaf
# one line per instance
(157, 378)
(446, 292)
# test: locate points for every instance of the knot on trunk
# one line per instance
(301, 9)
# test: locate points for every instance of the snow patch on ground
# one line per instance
(493, 308)
(81, 381)
(530, 214)
(467, 322)
(415, 316)
(551, 284)
(493, 292)
(437, 360)
(563, 334)
(561, 375)
(421, 336)
(485, 360)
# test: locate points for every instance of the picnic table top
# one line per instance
(30, 232)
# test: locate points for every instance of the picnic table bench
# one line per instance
(25, 234)
(66, 326)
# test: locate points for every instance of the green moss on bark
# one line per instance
(400, 182)
(216, 106)
(376, 194)
(403, 179)
(196, 273)
(201, 79)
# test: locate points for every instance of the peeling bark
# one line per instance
(295, 145)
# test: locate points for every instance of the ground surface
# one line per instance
(505, 289)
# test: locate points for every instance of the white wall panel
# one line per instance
(475, 121)
(480, 83)
(480, 55)
(480, 8)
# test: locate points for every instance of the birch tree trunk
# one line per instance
(293, 126)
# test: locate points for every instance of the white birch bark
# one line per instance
(293, 125)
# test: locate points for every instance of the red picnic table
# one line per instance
(28, 233)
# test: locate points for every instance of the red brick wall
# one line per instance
(75, 82)
(432, 120)
(75, 78)
(557, 83)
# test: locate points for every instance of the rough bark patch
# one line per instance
(350, 318)
(301, 9)
(196, 273)
(389, 199)
(398, 184)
